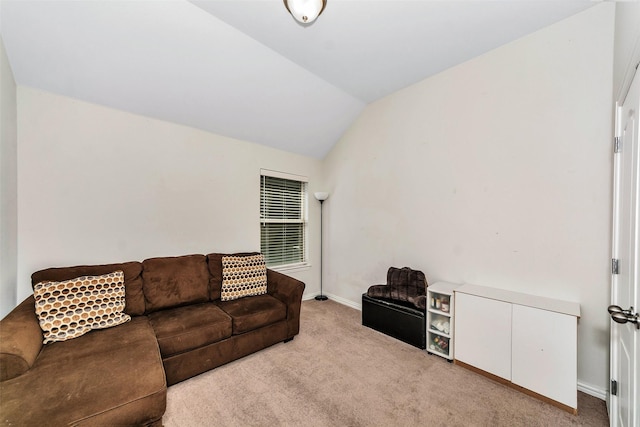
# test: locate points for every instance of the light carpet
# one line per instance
(337, 372)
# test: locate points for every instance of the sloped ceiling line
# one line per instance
(244, 68)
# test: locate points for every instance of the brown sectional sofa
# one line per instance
(179, 328)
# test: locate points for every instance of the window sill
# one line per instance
(291, 268)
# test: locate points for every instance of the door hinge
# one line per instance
(616, 144)
(614, 266)
(614, 387)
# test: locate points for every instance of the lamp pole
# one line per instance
(321, 197)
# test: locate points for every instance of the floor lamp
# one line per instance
(321, 197)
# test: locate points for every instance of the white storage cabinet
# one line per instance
(440, 316)
(529, 341)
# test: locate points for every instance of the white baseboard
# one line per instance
(335, 298)
(592, 391)
(343, 301)
(307, 297)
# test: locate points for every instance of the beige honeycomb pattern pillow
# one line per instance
(74, 307)
(243, 276)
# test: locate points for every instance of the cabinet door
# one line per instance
(544, 353)
(483, 334)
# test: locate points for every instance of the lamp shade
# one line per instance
(305, 11)
(321, 196)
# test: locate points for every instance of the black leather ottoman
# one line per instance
(396, 319)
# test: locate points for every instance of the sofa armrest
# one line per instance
(20, 340)
(289, 291)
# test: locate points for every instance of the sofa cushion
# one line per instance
(252, 313)
(132, 280)
(214, 263)
(243, 276)
(71, 308)
(186, 328)
(106, 377)
(174, 281)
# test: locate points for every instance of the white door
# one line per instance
(625, 337)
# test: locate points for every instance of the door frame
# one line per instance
(615, 329)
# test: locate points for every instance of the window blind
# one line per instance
(282, 220)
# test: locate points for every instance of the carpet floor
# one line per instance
(337, 372)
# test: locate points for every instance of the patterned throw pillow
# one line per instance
(243, 276)
(72, 308)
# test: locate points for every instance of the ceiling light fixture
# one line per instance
(305, 11)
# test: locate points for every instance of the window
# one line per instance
(283, 218)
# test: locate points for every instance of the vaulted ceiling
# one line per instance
(245, 68)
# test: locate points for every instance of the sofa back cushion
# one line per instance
(174, 281)
(132, 280)
(214, 262)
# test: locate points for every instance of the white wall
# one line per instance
(496, 172)
(8, 186)
(626, 47)
(99, 185)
